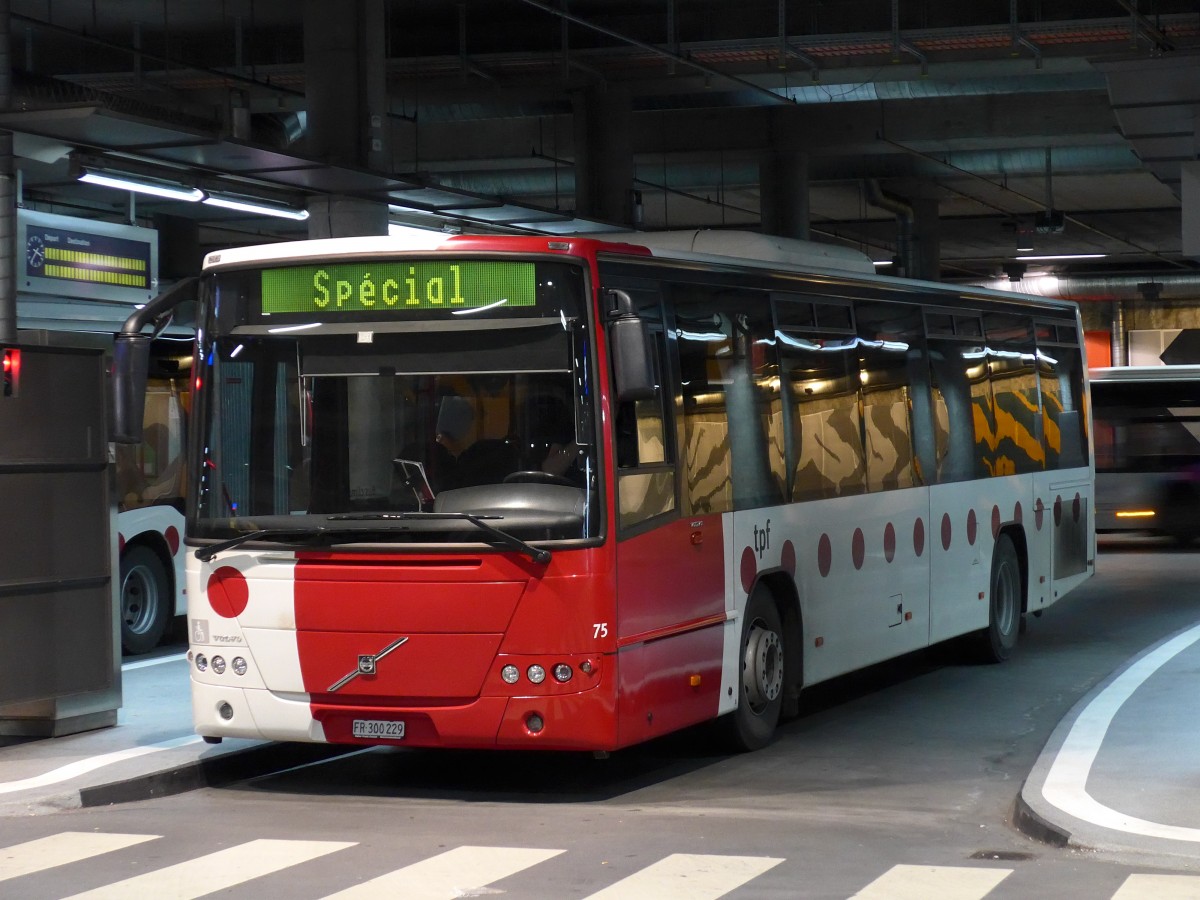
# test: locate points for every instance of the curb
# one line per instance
(218, 771)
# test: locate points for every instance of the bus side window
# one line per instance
(889, 331)
(733, 421)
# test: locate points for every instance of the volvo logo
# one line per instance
(367, 664)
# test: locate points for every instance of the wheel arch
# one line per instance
(1020, 543)
(787, 600)
(157, 544)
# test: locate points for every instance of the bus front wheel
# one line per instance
(999, 639)
(146, 606)
(760, 700)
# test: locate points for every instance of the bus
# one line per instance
(150, 484)
(567, 493)
(1147, 439)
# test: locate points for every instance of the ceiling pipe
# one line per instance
(905, 217)
(1169, 285)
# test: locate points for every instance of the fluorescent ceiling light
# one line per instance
(881, 262)
(123, 183)
(1067, 256)
(249, 206)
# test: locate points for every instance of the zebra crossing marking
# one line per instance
(1159, 887)
(688, 876)
(448, 875)
(215, 871)
(923, 882)
(61, 849)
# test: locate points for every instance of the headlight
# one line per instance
(218, 664)
(562, 673)
(536, 674)
(510, 674)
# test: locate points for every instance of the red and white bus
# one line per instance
(565, 493)
(150, 483)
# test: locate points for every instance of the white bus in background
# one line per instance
(1147, 436)
(150, 493)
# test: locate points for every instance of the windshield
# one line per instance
(316, 418)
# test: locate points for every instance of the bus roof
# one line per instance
(695, 244)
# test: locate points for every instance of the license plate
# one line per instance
(378, 728)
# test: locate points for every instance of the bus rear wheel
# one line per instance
(760, 698)
(999, 639)
(145, 600)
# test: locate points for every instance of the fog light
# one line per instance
(239, 666)
(586, 667)
(534, 723)
(224, 710)
(510, 674)
(201, 662)
(562, 673)
(536, 674)
(218, 664)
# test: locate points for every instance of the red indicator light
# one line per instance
(12, 371)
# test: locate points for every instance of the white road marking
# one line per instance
(688, 876)
(215, 871)
(83, 766)
(925, 882)
(448, 875)
(1159, 887)
(61, 849)
(157, 661)
(1066, 783)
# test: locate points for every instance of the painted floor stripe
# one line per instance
(83, 766)
(1066, 782)
(933, 883)
(687, 876)
(215, 871)
(455, 873)
(1159, 887)
(61, 849)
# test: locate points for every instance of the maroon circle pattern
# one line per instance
(228, 592)
(947, 530)
(919, 537)
(1057, 511)
(749, 569)
(824, 556)
(1039, 513)
(995, 522)
(858, 548)
(172, 536)
(972, 527)
(1018, 515)
(889, 542)
(787, 558)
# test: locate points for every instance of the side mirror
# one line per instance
(131, 362)
(632, 356)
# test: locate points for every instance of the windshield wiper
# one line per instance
(537, 554)
(206, 554)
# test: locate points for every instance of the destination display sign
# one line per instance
(398, 287)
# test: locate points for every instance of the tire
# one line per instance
(146, 600)
(762, 681)
(999, 639)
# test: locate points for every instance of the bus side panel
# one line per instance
(965, 519)
(670, 624)
(863, 580)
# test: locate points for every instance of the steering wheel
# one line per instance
(536, 476)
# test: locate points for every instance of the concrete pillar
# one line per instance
(346, 100)
(8, 194)
(927, 233)
(604, 168)
(783, 193)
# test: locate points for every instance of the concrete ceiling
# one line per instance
(992, 110)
